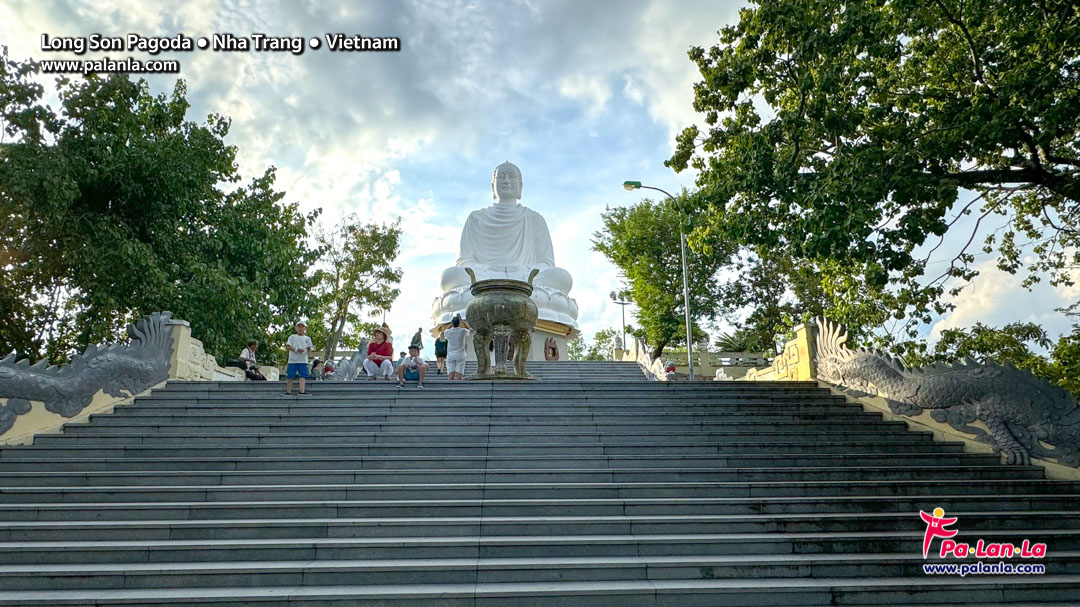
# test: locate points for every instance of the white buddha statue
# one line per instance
(508, 240)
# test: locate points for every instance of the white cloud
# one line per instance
(581, 95)
(590, 91)
(996, 298)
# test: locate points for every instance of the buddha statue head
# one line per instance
(506, 182)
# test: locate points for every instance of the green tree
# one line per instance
(1014, 343)
(740, 340)
(359, 278)
(115, 206)
(1064, 368)
(600, 348)
(643, 241)
(575, 348)
(603, 345)
(842, 134)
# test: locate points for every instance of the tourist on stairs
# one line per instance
(379, 353)
(247, 359)
(440, 351)
(412, 368)
(456, 337)
(299, 345)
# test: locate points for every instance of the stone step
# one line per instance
(371, 508)
(595, 379)
(987, 591)
(124, 417)
(362, 447)
(671, 466)
(313, 406)
(99, 444)
(538, 445)
(509, 433)
(373, 391)
(239, 423)
(393, 396)
(602, 392)
(744, 545)
(364, 419)
(595, 449)
(787, 480)
(80, 534)
(530, 482)
(476, 570)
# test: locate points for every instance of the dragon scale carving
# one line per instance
(1026, 416)
(119, 370)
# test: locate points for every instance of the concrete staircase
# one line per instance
(592, 487)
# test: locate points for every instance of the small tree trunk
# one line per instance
(657, 351)
(335, 337)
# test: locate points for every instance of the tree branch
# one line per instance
(967, 36)
(952, 263)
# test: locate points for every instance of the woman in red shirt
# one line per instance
(379, 355)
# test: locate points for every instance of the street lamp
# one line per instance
(616, 299)
(636, 185)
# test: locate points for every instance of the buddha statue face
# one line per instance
(506, 182)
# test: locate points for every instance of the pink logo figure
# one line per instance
(935, 527)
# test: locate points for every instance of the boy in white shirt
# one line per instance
(299, 345)
(412, 367)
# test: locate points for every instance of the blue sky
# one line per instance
(580, 95)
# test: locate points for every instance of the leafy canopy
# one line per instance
(1016, 343)
(601, 347)
(841, 134)
(116, 205)
(643, 241)
(358, 280)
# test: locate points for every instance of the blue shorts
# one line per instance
(412, 374)
(296, 370)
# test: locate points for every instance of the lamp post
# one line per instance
(636, 185)
(615, 299)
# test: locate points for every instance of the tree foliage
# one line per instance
(741, 340)
(1015, 343)
(643, 241)
(600, 348)
(843, 133)
(358, 279)
(575, 348)
(117, 205)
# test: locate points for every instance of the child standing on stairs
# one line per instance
(299, 345)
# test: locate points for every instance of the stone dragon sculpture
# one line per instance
(1026, 416)
(119, 370)
(347, 369)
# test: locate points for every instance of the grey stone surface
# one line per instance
(573, 491)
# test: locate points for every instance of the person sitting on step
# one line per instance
(247, 359)
(379, 353)
(412, 368)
